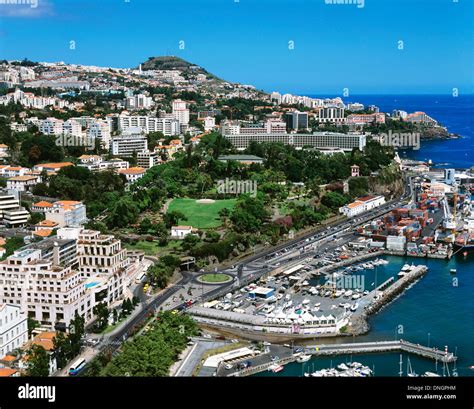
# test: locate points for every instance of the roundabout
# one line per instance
(214, 278)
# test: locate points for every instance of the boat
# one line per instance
(471, 367)
(228, 366)
(406, 268)
(275, 368)
(343, 367)
(348, 293)
(401, 274)
(354, 307)
(453, 271)
(431, 374)
(356, 296)
(303, 358)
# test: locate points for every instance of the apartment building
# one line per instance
(50, 294)
(104, 262)
(131, 141)
(147, 159)
(333, 115)
(23, 183)
(70, 213)
(100, 130)
(139, 101)
(147, 124)
(13, 328)
(180, 112)
(11, 213)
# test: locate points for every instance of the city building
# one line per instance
(421, 118)
(69, 213)
(51, 294)
(333, 115)
(296, 120)
(13, 328)
(361, 205)
(131, 141)
(366, 119)
(11, 213)
(147, 159)
(180, 112)
(139, 101)
(51, 167)
(147, 124)
(347, 142)
(209, 123)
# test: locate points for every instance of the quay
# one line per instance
(263, 362)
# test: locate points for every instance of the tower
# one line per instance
(354, 171)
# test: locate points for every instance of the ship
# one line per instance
(464, 241)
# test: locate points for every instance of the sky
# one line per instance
(297, 46)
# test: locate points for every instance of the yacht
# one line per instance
(343, 367)
(275, 368)
(356, 296)
(431, 374)
(406, 268)
(303, 358)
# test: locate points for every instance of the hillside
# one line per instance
(174, 63)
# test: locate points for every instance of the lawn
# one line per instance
(214, 278)
(201, 215)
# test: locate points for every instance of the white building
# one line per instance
(13, 328)
(180, 232)
(396, 243)
(180, 112)
(139, 101)
(131, 141)
(361, 205)
(101, 130)
(333, 115)
(11, 213)
(147, 124)
(147, 159)
(70, 213)
(132, 174)
(209, 123)
(49, 293)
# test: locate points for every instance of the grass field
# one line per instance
(201, 215)
(151, 248)
(214, 278)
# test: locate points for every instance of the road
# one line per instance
(248, 269)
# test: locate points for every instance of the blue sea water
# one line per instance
(456, 113)
(438, 310)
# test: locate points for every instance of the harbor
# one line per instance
(267, 361)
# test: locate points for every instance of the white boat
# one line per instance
(356, 296)
(343, 367)
(348, 293)
(275, 368)
(431, 374)
(305, 301)
(303, 358)
(406, 268)
(318, 304)
(354, 307)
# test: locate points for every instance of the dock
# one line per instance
(264, 362)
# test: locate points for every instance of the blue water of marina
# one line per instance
(437, 310)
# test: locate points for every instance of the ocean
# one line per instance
(456, 113)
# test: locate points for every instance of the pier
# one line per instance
(263, 361)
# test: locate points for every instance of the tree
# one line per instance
(173, 217)
(102, 314)
(62, 349)
(38, 361)
(76, 332)
(334, 200)
(32, 324)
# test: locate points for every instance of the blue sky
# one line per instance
(247, 41)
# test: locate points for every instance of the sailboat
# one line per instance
(410, 371)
